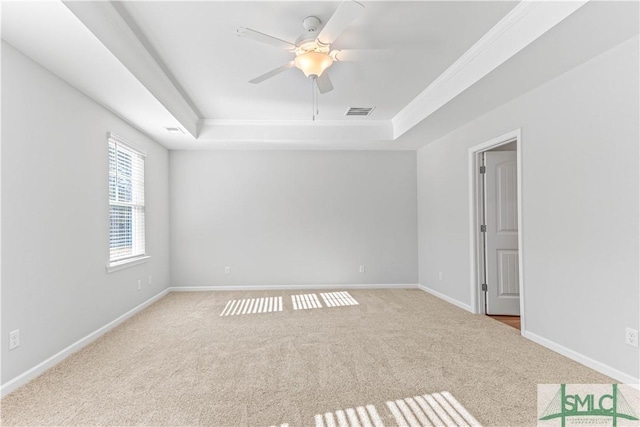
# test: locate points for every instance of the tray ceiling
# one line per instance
(168, 64)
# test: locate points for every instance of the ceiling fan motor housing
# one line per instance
(306, 41)
(310, 23)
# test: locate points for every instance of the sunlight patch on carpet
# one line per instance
(252, 306)
(305, 302)
(436, 409)
(336, 299)
(350, 417)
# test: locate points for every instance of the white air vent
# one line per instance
(174, 130)
(359, 111)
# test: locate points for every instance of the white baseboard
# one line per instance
(446, 298)
(290, 287)
(584, 360)
(32, 373)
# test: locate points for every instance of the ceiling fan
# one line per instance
(313, 54)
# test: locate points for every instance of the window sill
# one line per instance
(119, 265)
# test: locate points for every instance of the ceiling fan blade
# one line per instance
(362, 55)
(342, 17)
(324, 83)
(272, 73)
(264, 38)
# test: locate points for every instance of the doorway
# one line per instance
(495, 172)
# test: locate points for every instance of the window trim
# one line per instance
(126, 263)
(121, 264)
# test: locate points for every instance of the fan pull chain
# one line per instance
(313, 101)
(315, 109)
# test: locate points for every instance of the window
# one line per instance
(126, 202)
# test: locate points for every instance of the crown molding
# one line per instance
(108, 25)
(294, 130)
(527, 21)
(308, 123)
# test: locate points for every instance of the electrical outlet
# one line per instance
(139, 284)
(631, 337)
(227, 270)
(14, 339)
(362, 269)
(149, 280)
(440, 275)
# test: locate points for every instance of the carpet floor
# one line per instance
(179, 362)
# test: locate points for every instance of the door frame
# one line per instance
(475, 218)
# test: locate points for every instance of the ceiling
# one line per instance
(197, 42)
(161, 64)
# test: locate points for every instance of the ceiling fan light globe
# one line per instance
(313, 63)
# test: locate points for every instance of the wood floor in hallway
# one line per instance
(513, 321)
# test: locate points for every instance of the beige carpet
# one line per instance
(180, 362)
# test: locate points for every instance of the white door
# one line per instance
(501, 204)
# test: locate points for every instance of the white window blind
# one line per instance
(126, 201)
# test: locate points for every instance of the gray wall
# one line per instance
(580, 150)
(293, 217)
(55, 216)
